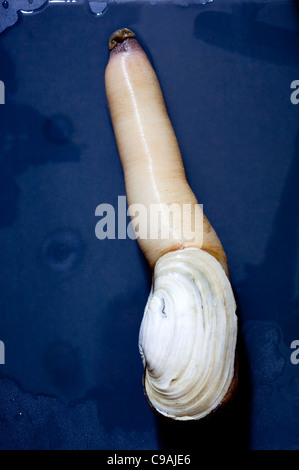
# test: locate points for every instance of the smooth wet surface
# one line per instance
(71, 304)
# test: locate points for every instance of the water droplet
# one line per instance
(62, 251)
(37, 8)
(5, 4)
(98, 8)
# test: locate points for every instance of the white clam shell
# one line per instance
(188, 335)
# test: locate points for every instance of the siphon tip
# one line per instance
(119, 36)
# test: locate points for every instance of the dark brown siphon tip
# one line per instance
(119, 36)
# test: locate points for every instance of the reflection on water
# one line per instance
(269, 289)
(241, 32)
(27, 138)
(73, 305)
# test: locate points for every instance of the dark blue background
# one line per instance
(71, 305)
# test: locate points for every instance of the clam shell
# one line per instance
(188, 335)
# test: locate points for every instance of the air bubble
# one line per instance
(5, 4)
